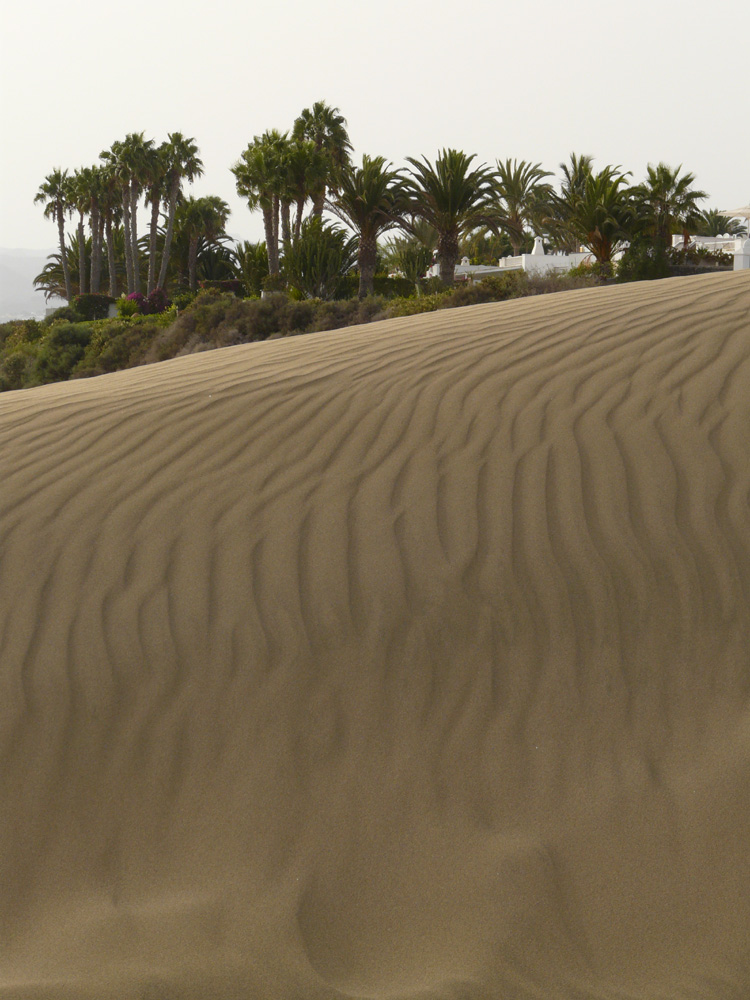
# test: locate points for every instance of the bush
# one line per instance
(67, 313)
(130, 306)
(273, 283)
(231, 286)
(156, 302)
(316, 264)
(495, 288)
(91, 305)
(61, 350)
(15, 371)
(644, 260)
(115, 345)
(183, 300)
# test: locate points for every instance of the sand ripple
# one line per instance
(404, 661)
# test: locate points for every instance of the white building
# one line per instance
(739, 246)
(536, 262)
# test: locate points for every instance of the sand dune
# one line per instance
(403, 661)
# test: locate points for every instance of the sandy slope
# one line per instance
(410, 660)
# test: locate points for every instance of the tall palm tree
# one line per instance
(201, 219)
(520, 186)
(599, 213)
(54, 194)
(555, 220)
(668, 202)
(95, 187)
(80, 197)
(326, 127)
(371, 199)
(181, 163)
(110, 207)
(454, 200)
(118, 170)
(306, 171)
(136, 152)
(259, 176)
(154, 176)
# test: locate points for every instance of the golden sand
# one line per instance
(404, 661)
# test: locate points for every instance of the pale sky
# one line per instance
(628, 83)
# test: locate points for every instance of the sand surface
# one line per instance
(404, 661)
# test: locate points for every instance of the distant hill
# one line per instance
(18, 297)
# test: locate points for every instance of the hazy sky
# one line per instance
(629, 83)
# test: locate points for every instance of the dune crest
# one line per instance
(402, 662)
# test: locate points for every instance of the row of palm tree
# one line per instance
(109, 194)
(454, 197)
(442, 205)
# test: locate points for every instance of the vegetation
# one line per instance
(390, 226)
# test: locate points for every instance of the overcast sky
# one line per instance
(630, 83)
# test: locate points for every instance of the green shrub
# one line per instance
(66, 313)
(495, 288)
(61, 350)
(92, 305)
(643, 260)
(118, 344)
(16, 371)
(127, 307)
(317, 262)
(231, 285)
(183, 299)
(22, 331)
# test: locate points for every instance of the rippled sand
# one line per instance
(403, 661)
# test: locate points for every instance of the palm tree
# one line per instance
(110, 207)
(95, 187)
(454, 200)
(115, 160)
(154, 177)
(306, 172)
(259, 176)
(54, 193)
(519, 184)
(136, 153)
(251, 265)
(408, 256)
(181, 163)
(711, 222)
(326, 128)
(201, 219)
(316, 264)
(80, 199)
(667, 202)
(371, 199)
(599, 213)
(575, 175)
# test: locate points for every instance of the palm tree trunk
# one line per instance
(134, 239)
(286, 222)
(272, 246)
(96, 248)
(367, 259)
(111, 257)
(63, 255)
(81, 256)
(155, 206)
(298, 219)
(447, 253)
(168, 235)
(276, 220)
(318, 201)
(128, 237)
(193, 263)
